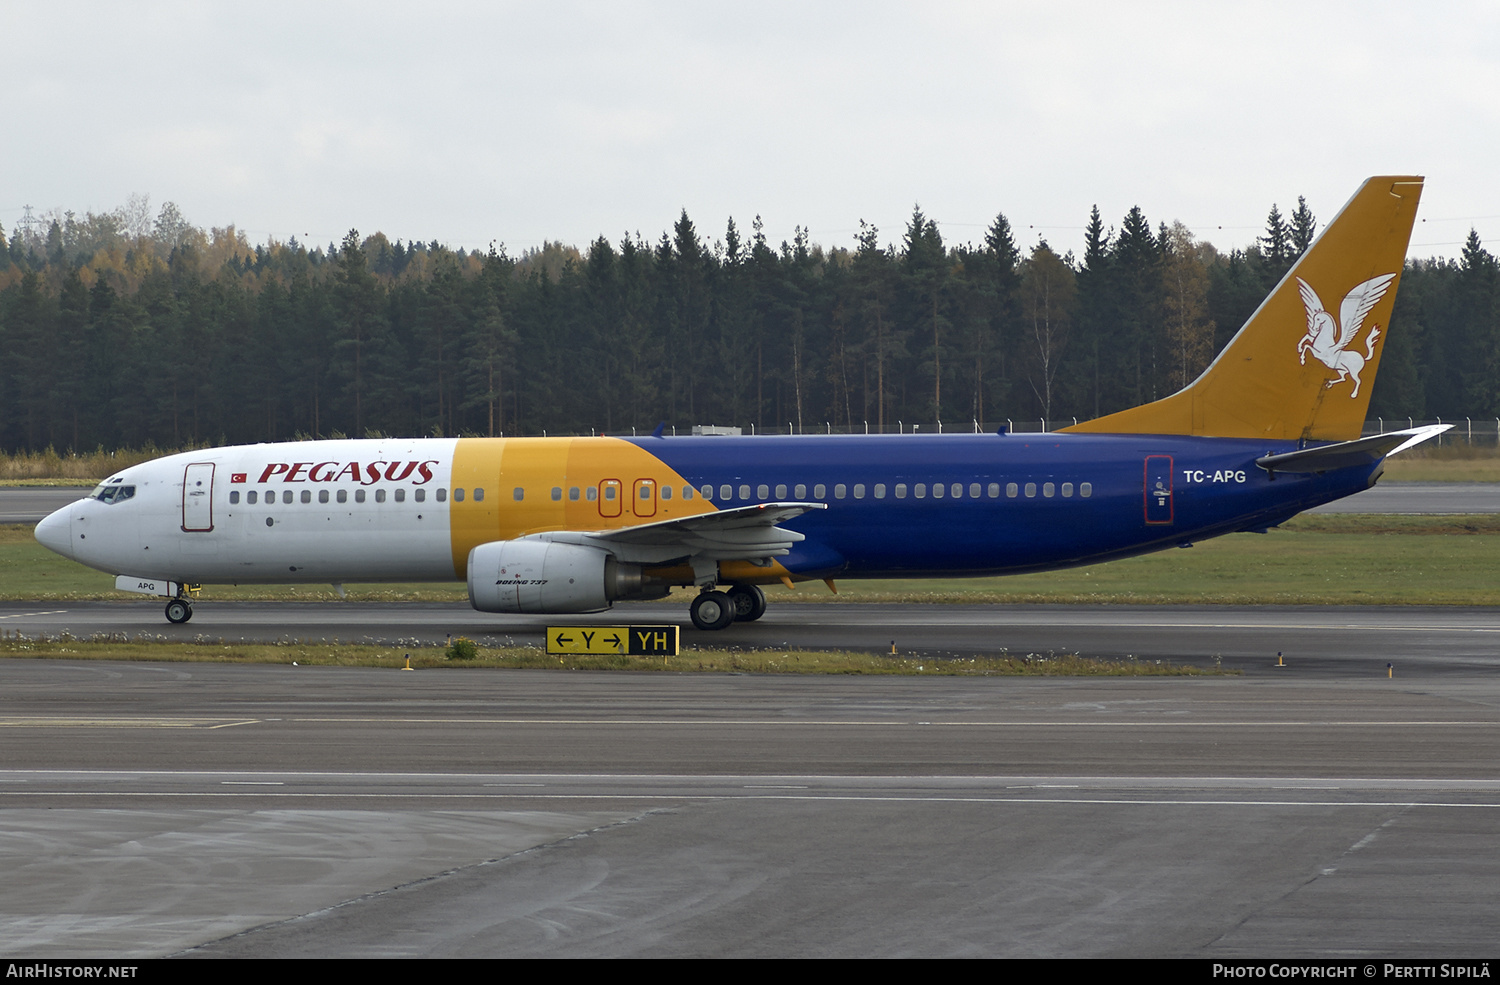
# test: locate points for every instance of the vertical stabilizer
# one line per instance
(1304, 364)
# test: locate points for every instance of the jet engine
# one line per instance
(539, 577)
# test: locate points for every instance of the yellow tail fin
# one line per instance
(1304, 364)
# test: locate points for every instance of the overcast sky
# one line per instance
(468, 122)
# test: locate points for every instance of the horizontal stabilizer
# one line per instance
(1347, 454)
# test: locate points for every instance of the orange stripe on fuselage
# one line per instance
(499, 466)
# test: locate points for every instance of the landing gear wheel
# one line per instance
(712, 610)
(178, 611)
(749, 602)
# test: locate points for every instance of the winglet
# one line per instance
(660, 431)
(1297, 370)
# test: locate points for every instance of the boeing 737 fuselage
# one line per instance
(565, 525)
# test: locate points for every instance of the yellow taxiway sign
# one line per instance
(637, 641)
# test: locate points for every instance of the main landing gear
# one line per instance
(714, 609)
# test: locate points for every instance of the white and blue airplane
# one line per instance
(571, 525)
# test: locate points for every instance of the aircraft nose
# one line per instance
(55, 532)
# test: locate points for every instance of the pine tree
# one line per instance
(1303, 228)
(1276, 248)
(925, 273)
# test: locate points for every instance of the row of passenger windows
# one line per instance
(919, 490)
(342, 496)
(841, 490)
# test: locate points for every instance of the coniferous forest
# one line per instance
(127, 330)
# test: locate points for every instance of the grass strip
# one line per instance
(744, 661)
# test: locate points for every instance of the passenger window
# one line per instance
(880, 490)
(687, 492)
(820, 491)
(666, 492)
(781, 492)
(400, 496)
(250, 497)
(900, 490)
(801, 491)
(234, 497)
(572, 494)
(343, 496)
(1031, 490)
(937, 490)
(1011, 489)
(380, 495)
(1048, 489)
(744, 492)
(838, 491)
(726, 492)
(359, 495)
(609, 492)
(323, 495)
(420, 496)
(762, 491)
(1085, 489)
(973, 490)
(859, 490)
(557, 494)
(458, 494)
(919, 490)
(479, 495)
(1067, 490)
(518, 494)
(645, 490)
(442, 494)
(994, 490)
(307, 495)
(591, 494)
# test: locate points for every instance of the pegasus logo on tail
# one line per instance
(1328, 340)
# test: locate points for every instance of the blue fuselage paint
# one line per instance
(1215, 488)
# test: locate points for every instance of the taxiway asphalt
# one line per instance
(206, 810)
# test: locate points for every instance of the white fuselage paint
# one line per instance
(153, 535)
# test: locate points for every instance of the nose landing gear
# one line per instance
(179, 611)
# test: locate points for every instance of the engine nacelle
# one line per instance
(538, 576)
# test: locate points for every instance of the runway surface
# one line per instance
(1428, 641)
(209, 810)
(1420, 498)
(29, 504)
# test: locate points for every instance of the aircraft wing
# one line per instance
(744, 533)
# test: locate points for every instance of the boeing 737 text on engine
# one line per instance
(571, 525)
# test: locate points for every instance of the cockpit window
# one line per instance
(106, 493)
